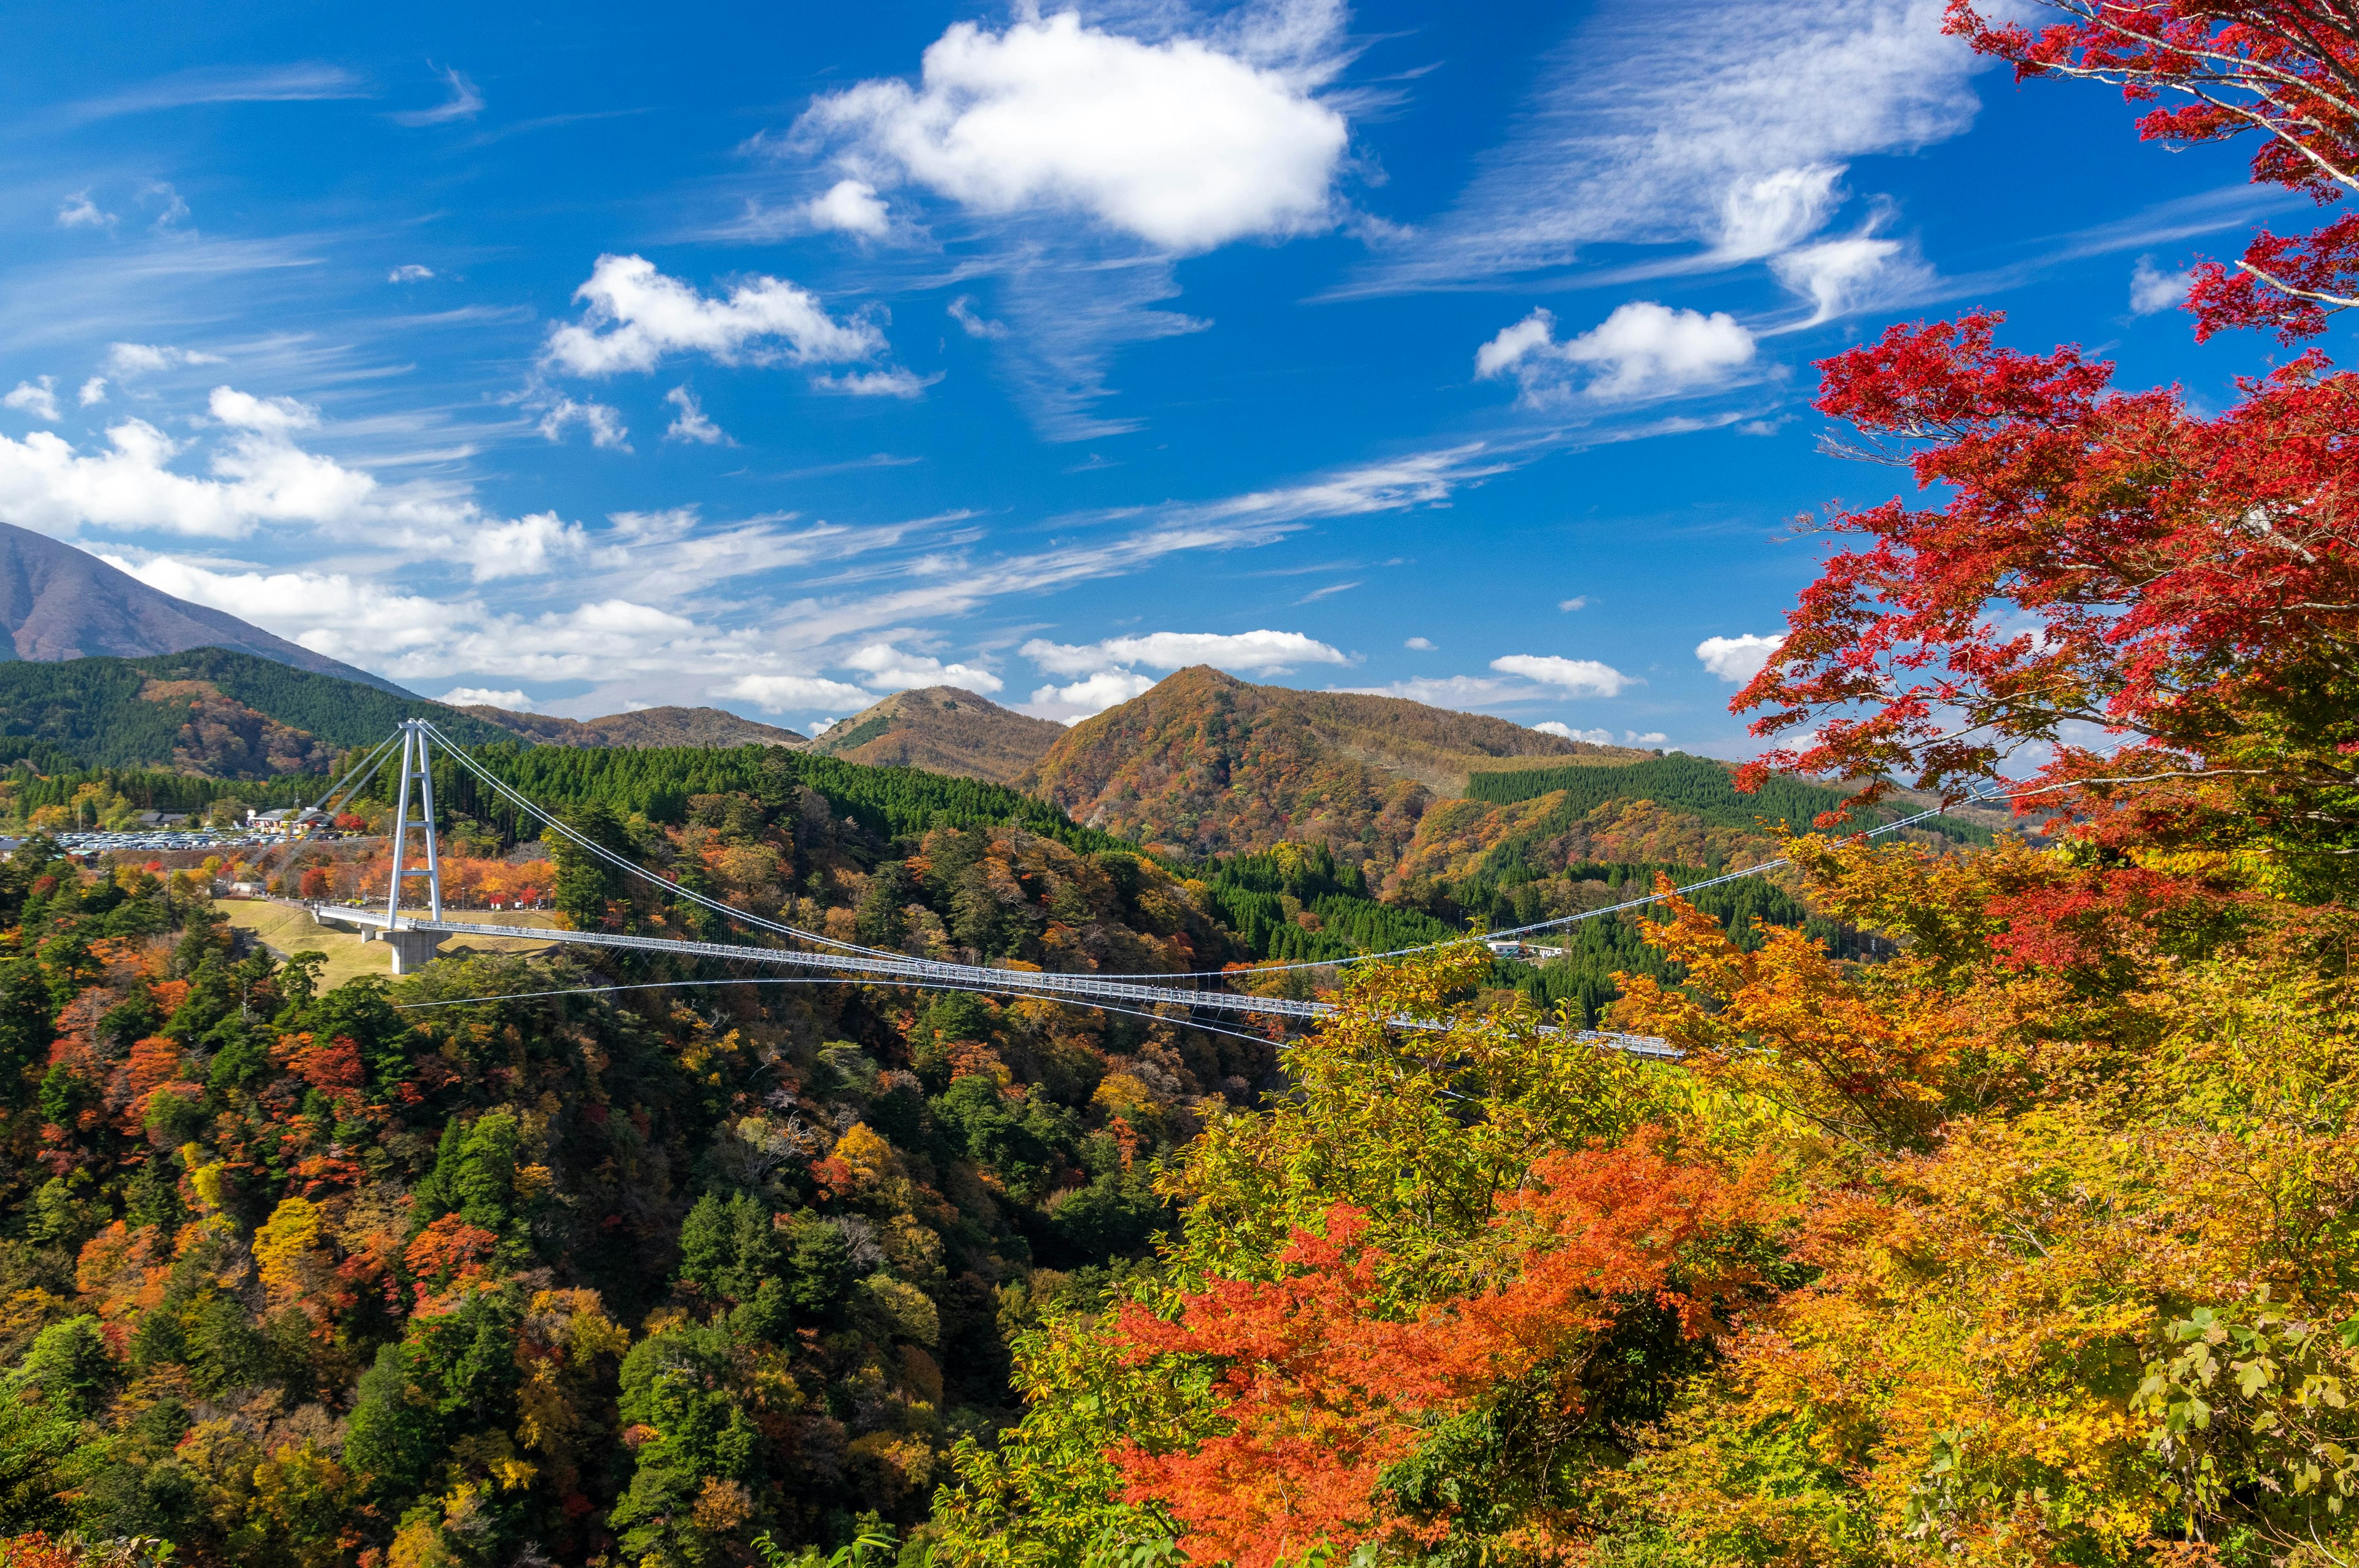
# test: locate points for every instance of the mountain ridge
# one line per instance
(60, 603)
(1206, 764)
(943, 729)
(669, 726)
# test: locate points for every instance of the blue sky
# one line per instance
(776, 358)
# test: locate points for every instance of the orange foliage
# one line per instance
(1319, 1391)
(449, 1253)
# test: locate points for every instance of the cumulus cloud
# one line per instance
(479, 696)
(78, 211)
(849, 207)
(886, 668)
(1578, 601)
(2152, 290)
(1600, 737)
(1184, 142)
(1250, 653)
(1422, 644)
(274, 416)
(1641, 351)
(1088, 697)
(637, 315)
(464, 104)
(256, 477)
(1582, 677)
(604, 421)
(786, 694)
(1737, 659)
(93, 392)
(38, 398)
(409, 272)
(691, 425)
(124, 360)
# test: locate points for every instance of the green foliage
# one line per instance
(1694, 785)
(89, 709)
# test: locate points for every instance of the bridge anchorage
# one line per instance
(413, 941)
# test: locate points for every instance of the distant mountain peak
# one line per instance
(944, 730)
(1208, 763)
(61, 603)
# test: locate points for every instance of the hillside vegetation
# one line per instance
(1208, 764)
(944, 730)
(206, 710)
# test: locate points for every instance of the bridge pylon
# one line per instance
(416, 793)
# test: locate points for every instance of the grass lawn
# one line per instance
(286, 929)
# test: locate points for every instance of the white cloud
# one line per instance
(603, 422)
(1567, 732)
(478, 696)
(786, 694)
(305, 82)
(1088, 697)
(1651, 737)
(274, 416)
(1450, 691)
(821, 725)
(1641, 351)
(256, 477)
(886, 668)
(1422, 644)
(1187, 143)
(78, 211)
(139, 359)
(691, 425)
(849, 207)
(1721, 127)
(963, 312)
(1737, 659)
(1860, 272)
(409, 272)
(1578, 601)
(527, 546)
(1582, 677)
(464, 104)
(637, 315)
(1761, 217)
(1252, 653)
(893, 382)
(38, 398)
(174, 208)
(93, 391)
(2153, 291)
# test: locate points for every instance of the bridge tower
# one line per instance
(411, 948)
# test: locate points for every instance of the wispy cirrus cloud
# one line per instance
(1723, 129)
(305, 81)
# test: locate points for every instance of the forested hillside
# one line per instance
(1208, 764)
(207, 711)
(294, 1275)
(945, 731)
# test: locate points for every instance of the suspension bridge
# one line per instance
(412, 940)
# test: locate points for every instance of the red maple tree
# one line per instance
(1323, 1384)
(2286, 71)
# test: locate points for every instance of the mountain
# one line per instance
(1206, 764)
(59, 602)
(645, 727)
(219, 712)
(945, 729)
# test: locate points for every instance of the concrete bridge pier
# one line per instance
(411, 949)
